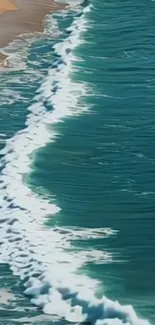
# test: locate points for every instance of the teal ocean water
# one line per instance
(77, 170)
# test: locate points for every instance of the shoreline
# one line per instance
(22, 17)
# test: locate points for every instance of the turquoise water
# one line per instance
(77, 181)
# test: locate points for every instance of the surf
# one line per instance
(35, 253)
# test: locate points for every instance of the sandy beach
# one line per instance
(20, 16)
(6, 5)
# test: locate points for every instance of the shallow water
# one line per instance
(77, 175)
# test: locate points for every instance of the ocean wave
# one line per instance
(43, 257)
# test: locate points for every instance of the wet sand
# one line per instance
(22, 16)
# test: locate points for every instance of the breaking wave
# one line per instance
(43, 257)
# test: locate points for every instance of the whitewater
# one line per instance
(44, 258)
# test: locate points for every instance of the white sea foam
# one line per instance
(43, 257)
(17, 52)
